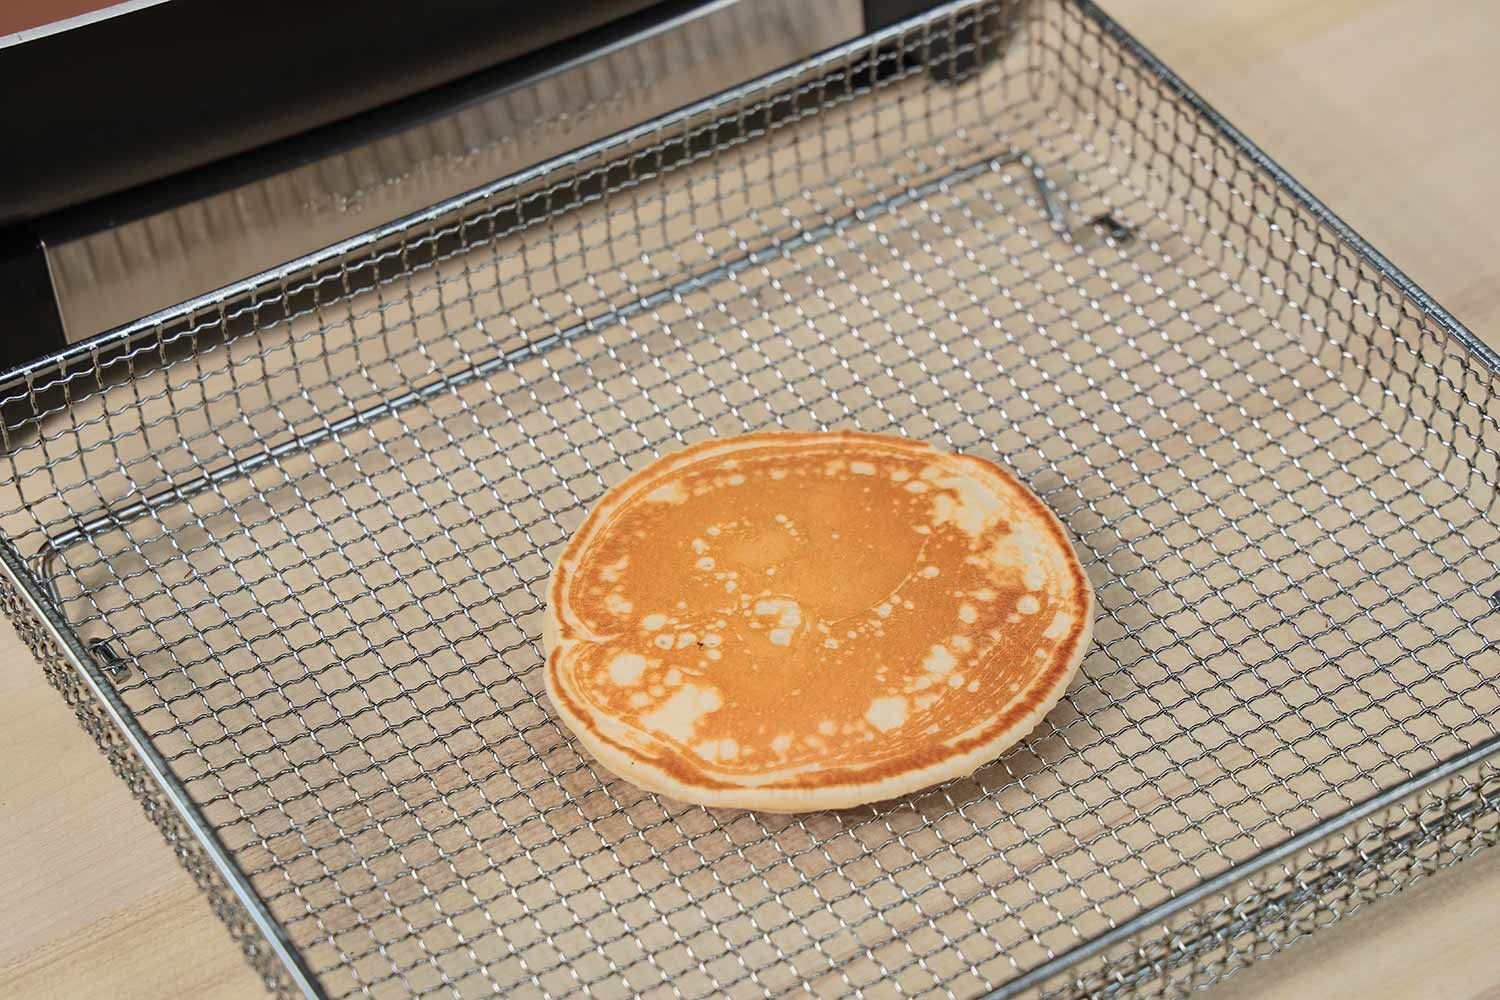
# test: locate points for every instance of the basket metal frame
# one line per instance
(27, 601)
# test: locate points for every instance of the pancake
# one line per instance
(793, 622)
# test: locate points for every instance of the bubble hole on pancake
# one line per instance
(791, 622)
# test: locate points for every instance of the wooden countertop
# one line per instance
(1383, 109)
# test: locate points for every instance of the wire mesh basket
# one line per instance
(284, 550)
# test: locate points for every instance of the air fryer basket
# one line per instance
(284, 549)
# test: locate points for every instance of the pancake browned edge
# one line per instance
(793, 622)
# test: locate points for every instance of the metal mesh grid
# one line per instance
(314, 525)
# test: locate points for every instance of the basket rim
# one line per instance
(41, 604)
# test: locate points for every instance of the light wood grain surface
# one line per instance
(1382, 108)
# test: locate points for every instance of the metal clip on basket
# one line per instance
(282, 544)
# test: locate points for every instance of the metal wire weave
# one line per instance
(310, 528)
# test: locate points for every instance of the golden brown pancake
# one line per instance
(791, 622)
